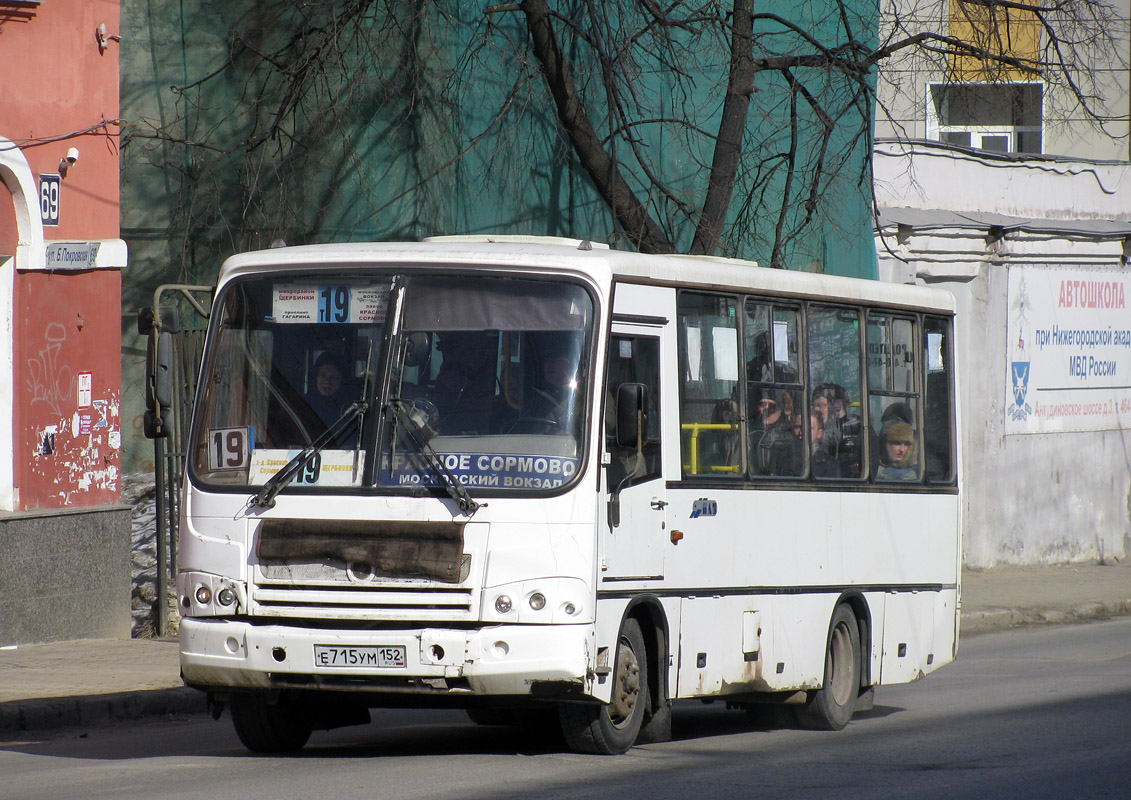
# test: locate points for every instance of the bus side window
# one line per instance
(836, 390)
(938, 410)
(893, 389)
(710, 410)
(633, 359)
(774, 394)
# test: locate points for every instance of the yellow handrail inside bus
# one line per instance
(693, 450)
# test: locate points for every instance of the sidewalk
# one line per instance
(92, 682)
(1008, 597)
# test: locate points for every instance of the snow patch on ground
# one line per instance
(140, 492)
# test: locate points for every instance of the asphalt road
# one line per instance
(1034, 713)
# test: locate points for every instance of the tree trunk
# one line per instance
(732, 126)
(633, 217)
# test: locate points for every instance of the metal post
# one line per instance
(162, 588)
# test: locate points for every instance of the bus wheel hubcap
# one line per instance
(626, 693)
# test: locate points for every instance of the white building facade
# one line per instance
(1036, 252)
(1012, 188)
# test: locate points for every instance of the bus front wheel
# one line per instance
(831, 706)
(281, 727)
(611, 729)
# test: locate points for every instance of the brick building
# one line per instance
(64, 535)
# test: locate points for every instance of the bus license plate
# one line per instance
(384, 656)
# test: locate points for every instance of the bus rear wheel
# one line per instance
(281, 727)
(831, 706)
(611, 729)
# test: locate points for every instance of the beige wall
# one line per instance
(902, 91)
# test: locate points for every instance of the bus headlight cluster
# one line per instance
(548, 600)
(202, 594)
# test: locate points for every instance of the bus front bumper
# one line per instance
(500, 660)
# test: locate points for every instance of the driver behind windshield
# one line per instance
(550, 401)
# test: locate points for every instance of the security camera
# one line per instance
(67, 161)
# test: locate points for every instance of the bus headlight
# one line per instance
(546, 600)
(202, 594)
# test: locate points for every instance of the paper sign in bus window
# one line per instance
(227, 449)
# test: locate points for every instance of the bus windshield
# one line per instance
(484, 382)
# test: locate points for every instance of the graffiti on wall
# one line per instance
(50, 380)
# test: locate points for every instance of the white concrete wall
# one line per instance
(944, 178)
(1028, 498)
(1031, 498)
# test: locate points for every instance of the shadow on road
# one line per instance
(392, 733)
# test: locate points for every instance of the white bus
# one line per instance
(509, 474)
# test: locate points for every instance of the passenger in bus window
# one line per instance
(898, 461)
(775, 450)
(326, 397)
(823, 462)
(760, 365)
(724, 445)
(465, 380)
(330, 395)
(843, 431)
(898, 412)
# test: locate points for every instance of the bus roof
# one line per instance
(705, 272)
(595, 260)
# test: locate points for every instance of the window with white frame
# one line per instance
(1005, 117)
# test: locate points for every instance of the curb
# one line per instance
(996, 619)
(63, 712)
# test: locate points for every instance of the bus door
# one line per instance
(636, 492)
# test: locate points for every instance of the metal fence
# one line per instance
(175, 325)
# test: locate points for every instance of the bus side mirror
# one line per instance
(632, 402)
(632, 422)
(159, 370)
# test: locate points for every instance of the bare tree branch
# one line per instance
(638, 225)
(700, 125)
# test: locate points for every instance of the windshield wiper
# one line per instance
(281, 479)
(454, 486)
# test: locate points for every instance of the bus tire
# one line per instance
(264, 727)
(830, 707)
(612, 728)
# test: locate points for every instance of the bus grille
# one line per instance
(331, 592)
